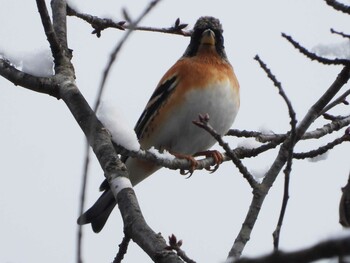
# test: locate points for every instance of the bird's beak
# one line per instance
(208, 37)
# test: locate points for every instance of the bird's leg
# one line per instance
(216, 155)
(189, 158)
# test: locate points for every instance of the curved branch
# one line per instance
(28, 81)
(323, 149)
(292, 136)
(313, 56)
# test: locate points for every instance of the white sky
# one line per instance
(42, 146)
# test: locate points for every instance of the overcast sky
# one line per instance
(42, 147)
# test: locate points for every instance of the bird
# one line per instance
(203, 82)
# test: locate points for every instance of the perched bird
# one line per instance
(202, 81)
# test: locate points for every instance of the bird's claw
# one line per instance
(216, 155)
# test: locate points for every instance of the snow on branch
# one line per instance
(313, 56)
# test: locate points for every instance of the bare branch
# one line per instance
(335, 125)
(123, 247)
(333, 31)
(204, 124)
(340, 100)
(317, 108)
(97, 23)
(344, 206)
(248, 153)
(338, 6)
(287, 170)
(59, 18)
(323, 149)
(322, 250)
(260, 192)
(115, 52)
(49, 31)
(82, 203)
(100, 24)
(329, 128)
(313, 56)
(153, 244)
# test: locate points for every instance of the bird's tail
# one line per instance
(98, 214)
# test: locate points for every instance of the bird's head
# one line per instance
(207, 32)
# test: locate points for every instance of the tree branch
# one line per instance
(100, 24)
(260, 192)
(287, 170)
(313, 56)
(123, 247)
(25, 80)
(344, 205)
(204, 124)
(322, 250)
(338, 6)
(340, 33)
(116, 50)
(323, 149)
(49, 31)
(340, 100)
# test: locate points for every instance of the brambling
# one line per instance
(202, 81)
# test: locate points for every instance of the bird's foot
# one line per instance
(189, 158)
(216, 155)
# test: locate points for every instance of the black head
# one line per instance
(204, 23)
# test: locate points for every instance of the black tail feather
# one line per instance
(98, 214)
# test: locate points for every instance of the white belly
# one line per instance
(180, 135)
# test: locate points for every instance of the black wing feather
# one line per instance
(158, 97)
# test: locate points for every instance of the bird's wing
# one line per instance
(157, 99)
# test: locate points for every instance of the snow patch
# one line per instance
(120, 130)
(38, 62)
(333, 50)
(162, 155)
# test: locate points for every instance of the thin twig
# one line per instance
(340, 100)
(313, 56)
(333, 31)
(287, 170)
(97, 103)
(123, 248)
(176, 30)
(116, 50)
(100, 24)
(335, 125)
(204, 124)
(323, 149)
(242, 152)
(82, 204)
